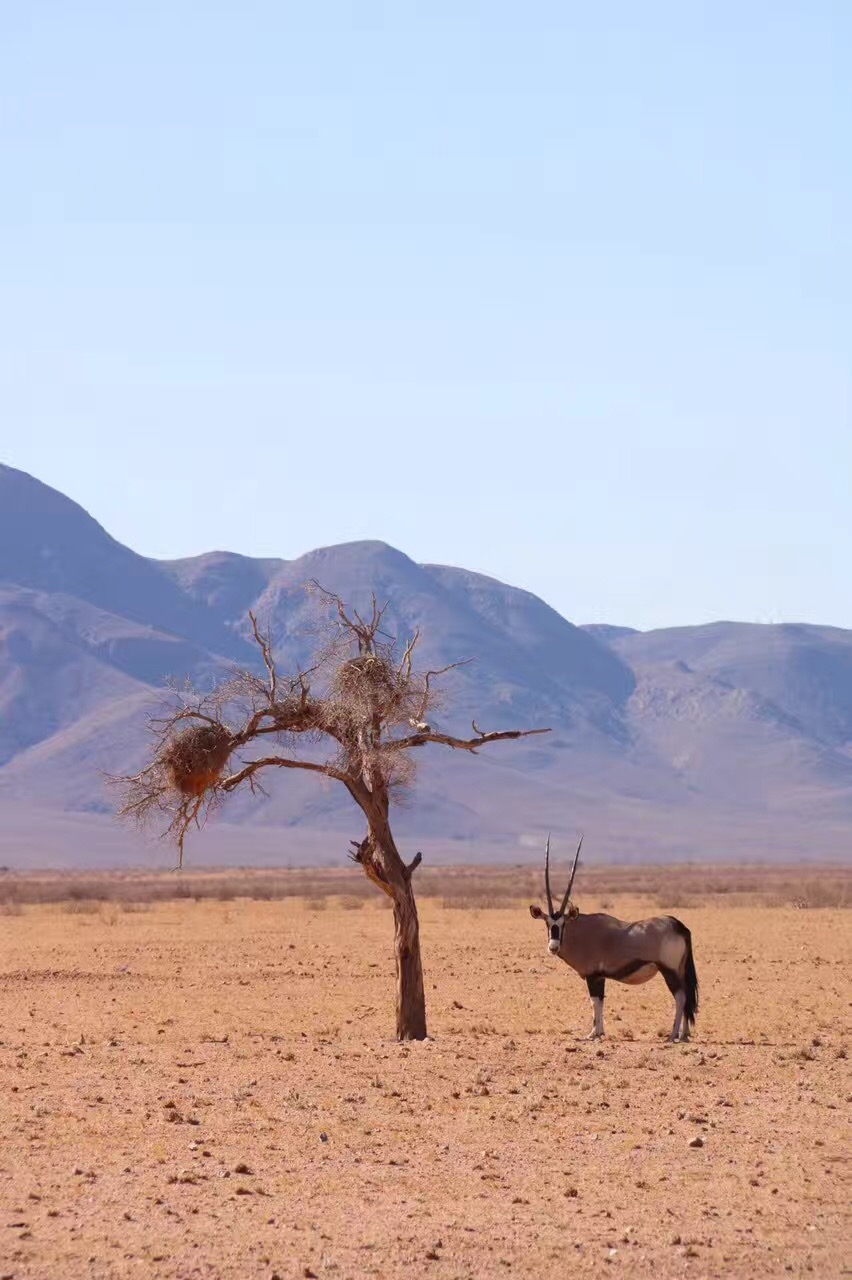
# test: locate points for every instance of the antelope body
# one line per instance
(599, 946)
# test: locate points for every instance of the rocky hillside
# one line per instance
(719, 741)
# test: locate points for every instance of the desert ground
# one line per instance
(208, 1087)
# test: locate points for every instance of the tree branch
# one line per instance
(266, 650)
(427, 682)
(229, 784)
(404, 669)
(364, 632)
(458, 744)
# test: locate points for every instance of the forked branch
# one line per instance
(428, 676)
(269, 662)
(365, 631)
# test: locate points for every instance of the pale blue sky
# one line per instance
(556, 291)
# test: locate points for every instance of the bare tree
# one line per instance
(363, 698)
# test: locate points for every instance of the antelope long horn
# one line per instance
(571, 881)
(547, 876)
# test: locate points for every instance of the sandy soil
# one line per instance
(210, 1090)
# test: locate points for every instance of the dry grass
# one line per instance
(349, 902)
(82, 906)
(457, 888)
(209, 1089)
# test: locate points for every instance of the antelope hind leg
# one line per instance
(677, 1034)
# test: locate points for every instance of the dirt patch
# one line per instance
(244, 1112)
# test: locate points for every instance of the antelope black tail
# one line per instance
(690, 977)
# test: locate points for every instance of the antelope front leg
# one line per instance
(596, 987)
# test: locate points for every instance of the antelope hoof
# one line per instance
(595, 1035)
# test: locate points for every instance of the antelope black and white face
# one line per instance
(555, 927)
(555, 918)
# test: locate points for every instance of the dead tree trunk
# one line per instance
(379, 857)
(410, 995)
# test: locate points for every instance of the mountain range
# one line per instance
(725, 741)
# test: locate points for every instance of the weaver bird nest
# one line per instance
(194, 759)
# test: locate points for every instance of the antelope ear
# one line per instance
(573, 911)
(536, 913)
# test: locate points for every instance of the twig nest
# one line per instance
(195, 759)
(367, 676)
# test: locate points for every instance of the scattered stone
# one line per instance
(697, 1142)
(242, 1167)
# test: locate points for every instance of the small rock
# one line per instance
(697, 1142)
(323, 1137)
(242, 1167)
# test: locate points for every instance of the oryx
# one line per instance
(600, 946)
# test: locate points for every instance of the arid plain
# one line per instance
(209, 1088)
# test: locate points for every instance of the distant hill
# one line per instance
(720, 741)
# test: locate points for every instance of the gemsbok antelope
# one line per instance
(599, 946)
